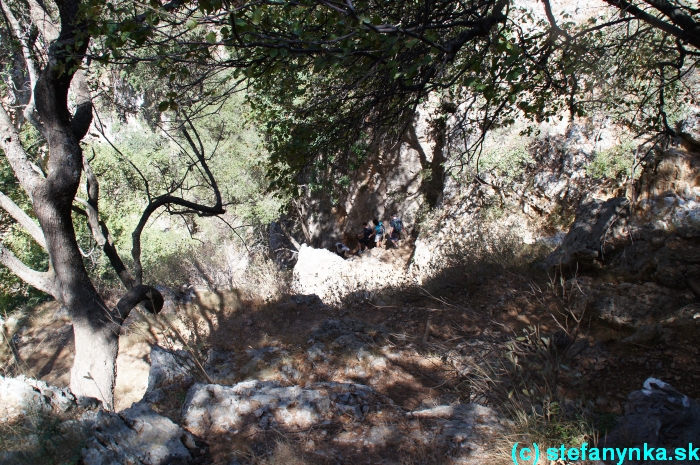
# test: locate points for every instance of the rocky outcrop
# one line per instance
(23, 397)
(657, 416)
(629, 305)
(599, 228)
(689, 128)
(168, 367)
(212, 409)
(137, 435)
(401, 179)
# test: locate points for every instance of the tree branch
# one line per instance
(31, 66)
(22, 218)
(192, 207)
(44, 281)
(692, 37)
(153, 301)
(82, 118)
(99, 229)
(16, 156)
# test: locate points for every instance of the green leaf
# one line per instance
(211, 37)
(257, 16)
(191, 23)
(163, 106)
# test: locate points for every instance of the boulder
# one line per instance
(629, 305)
(137, 435)
(599, 228)
(658, 416)
(690, 128)
(332, 279)
(22, 396)
(168, 367)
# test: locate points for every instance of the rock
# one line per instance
(18, 399)
(598, 228)
(154, 396)
(22, 396)
(137, 435)
(350, 343)
(629, 305)
(220, 366)
(332, 329)
(332, 279)
(59, 398)
(168, 367)
(658, 416)
(469, 426)
(690, 128)
(212, 409)
(648, 334)
(316, 351)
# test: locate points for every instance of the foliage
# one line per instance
(237, 159)
(13, 291)
(613, 163)
(505, 160)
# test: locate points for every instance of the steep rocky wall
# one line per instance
(397, 180)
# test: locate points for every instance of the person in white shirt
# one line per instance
(341, 248)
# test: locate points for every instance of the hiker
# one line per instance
(379, 232)
(340, 249)
(395, 228)
(365, 237)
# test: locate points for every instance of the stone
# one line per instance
(690, 128)
(628, 305)
(659, 416)
(648, 334)
(23, 396)
(316, 351)
(598, 228)
(168, 367)
(137, 435)
(332, 329)
(323, 273)
(18, 399)
(212, 410)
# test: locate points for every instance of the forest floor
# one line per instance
(421, 351)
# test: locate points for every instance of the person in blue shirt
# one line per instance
(379, 232)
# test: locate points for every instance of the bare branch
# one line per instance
(691, 35)
(191, 207)
(31, 65)
(152, 299)
(44, 281)
(99, 229)
(19, 161)
(22, 218)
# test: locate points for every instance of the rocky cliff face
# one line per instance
(400, 179)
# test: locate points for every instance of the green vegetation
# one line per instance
(614, 163)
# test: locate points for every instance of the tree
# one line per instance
(47, 69)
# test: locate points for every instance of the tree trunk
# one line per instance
(95, 327)
(95, 366)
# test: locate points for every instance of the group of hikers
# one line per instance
(377, 235)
